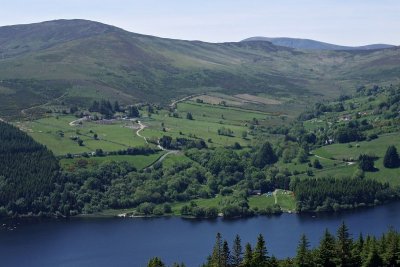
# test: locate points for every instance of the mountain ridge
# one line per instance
(309, 44)
(86, 60)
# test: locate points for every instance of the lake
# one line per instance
(131, 242)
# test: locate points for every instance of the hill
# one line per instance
(308, 44)
(73, 62)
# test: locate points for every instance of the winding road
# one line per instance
(169, 152)
(142, 126)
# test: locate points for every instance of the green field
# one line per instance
(207, 119)
(137, 161)
(375, 147)
(285, 200)
(110, 137)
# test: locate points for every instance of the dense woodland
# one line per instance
(28, 173)
(333, 250)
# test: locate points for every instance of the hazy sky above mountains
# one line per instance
(345, 22)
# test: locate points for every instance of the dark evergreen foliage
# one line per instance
(328, 194)
(331, 252)
(28, 173)
(391, 159)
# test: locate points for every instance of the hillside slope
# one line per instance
(308, 44)
(77, 61)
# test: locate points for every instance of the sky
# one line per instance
(344, 22)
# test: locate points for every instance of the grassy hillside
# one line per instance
(308, 44)
(76, 61)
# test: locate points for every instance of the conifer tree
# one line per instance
(260, 253)
(303, 256)
(344, 244)
(265, 156)
(155, 262)
(373, 259)
(216, 257)
(358, 250)
(326, 252)
(226, 255)
(391, 159)
(248, 256)
(237, 252)
(391, 256)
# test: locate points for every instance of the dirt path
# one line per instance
(347, 162)
(142, 126)
(275, 197)
(183, 99)
(75, 122)
(161, 159)
(23, 111)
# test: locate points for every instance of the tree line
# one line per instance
(332, 251)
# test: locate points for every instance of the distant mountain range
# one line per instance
(78, 61)
(308, 44)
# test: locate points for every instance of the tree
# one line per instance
(80, 142)
(133, 112)
(248, 256)
(303, 256)
(326, 253)
(343, 246)
(391, 159)
(244, 134)
(317, 164)
(373, 259)
(264, 156)
(189, 116)
(366, 163)
(216, 256)
(237, 252)
(226, 255)
(155, 262)
(302, 156)
(260, 253)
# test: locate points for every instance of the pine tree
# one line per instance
(155, 262)
(391, 159)
(133, 112)
(358, 250)
(237, 252)
(373, 259)
(326, 253)
(216, 257)
(226, 255)
(303, 256)
(344, 244)
(391, 255)
(260, 253)
(366, 163)
(264, 156)
(273, 262)
(248, 256)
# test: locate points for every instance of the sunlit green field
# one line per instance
(207, 119)
(352, 150)
(137, 161)
(110, 137)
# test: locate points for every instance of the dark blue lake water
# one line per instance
(131, 242)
